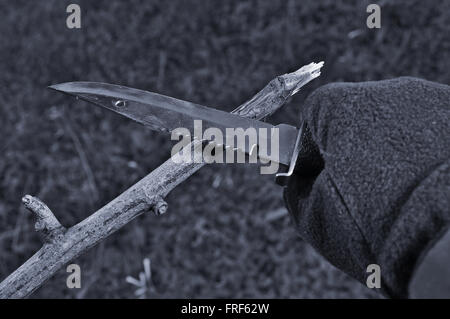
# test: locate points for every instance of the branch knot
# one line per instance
(157, 204)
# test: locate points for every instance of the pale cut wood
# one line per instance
(63, 245)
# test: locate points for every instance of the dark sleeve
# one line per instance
(383, 194)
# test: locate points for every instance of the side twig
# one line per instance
(63, 245)
(47, 226)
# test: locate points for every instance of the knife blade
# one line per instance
(165, 114)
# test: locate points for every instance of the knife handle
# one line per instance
(306, 159)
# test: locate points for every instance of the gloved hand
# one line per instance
(382, 196)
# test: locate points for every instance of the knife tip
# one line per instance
(57, 87)
(71, 88)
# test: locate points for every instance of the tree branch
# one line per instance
(63, 245)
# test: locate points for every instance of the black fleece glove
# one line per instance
(382, 196)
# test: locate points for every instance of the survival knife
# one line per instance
(165, 114)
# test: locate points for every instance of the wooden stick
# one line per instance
(62, 245)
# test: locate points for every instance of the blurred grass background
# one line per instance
(226, 233)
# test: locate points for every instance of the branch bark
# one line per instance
(63, 245)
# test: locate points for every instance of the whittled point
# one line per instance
(295, 80)
(277, 92)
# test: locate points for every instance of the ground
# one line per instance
(226, 233)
